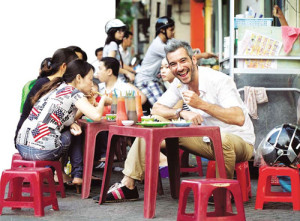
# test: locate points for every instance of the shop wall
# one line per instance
(181, 15)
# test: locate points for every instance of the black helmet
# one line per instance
(282, 144)
(163, 23)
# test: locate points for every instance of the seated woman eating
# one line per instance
(46, 133)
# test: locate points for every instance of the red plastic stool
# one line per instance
(242, 175)
(264, 193)
(275, 181)
(16, 156)
(31, 163)
(36, 177)
(197, 169)
(203, 189)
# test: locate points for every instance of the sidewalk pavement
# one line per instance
(74, 208)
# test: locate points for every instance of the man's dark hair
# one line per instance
(127, 34)
(111, 63)
(97, 50)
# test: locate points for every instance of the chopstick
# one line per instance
(179, 86)
(98, 93)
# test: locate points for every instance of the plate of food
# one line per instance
(153, 124)
(181, 123)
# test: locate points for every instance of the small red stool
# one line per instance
(203, 189)
(17, 162)
(242, 175)
(16, 156)
(36, 177)
(264, 193)
(275, 181)
(197, 169)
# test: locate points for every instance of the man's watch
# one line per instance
(177, 112)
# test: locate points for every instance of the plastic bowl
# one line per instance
(181, 124)
(127, 122)
(111, 117)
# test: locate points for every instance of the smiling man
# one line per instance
(213, 100)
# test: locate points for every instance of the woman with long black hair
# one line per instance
(46, 133)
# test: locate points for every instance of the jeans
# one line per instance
(76, 155)
(29, 153)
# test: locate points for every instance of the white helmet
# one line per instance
(114, 23)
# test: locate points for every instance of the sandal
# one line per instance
(120, 193)
(77, 182)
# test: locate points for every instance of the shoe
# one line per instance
(211, 200)
(100, 165)
(120, 193)
(96, 198)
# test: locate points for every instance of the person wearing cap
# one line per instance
(115, 30)
(147, 77)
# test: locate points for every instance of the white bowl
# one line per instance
(127, 122)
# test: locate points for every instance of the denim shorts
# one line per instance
(30, 153)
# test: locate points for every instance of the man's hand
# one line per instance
(207, 55)
(192, 99)
(130, 76)
(193, 117)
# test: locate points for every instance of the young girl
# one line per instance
(46, 133)
(115, 30)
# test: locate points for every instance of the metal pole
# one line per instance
(232, 36)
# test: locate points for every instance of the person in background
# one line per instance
(115, 30)
(213, 100)
(99, 55)
(124, 48)
(28, 86)
(166, 73)
(46, 133)
(147, 79)
(95, 91)
(205, 55)
(107, 73)
(79, 52)
(279, 14)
